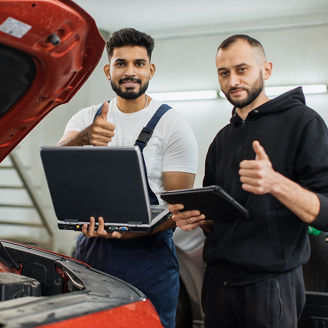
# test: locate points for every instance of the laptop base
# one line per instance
(143, 228)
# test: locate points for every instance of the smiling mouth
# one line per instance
(134, 81)
(129, 83)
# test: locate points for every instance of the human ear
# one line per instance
(267, 71)
(152, 70)
(107, 71)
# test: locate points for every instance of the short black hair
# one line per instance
(234, 38)
(129, 37)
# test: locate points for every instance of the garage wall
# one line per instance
(299, 56)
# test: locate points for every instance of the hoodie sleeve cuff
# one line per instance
(321, 222)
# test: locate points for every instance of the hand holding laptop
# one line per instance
(92, 230)
(99, 230)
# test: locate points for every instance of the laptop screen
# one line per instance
(97, 181)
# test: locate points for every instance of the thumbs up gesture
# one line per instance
(100, 132)
(257, 176)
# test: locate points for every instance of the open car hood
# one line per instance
(48, 49)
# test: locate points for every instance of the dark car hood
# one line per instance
(48, 49)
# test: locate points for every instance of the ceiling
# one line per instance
(175, 18)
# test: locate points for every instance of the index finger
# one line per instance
(101, 227)
(248, 164)
(175, 207)
(92, 224)
(177, 216)
(89, 230)
(105, 125)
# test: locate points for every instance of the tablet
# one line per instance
(212, 201)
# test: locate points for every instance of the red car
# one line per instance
(48, 48)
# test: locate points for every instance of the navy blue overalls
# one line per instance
(149, 263)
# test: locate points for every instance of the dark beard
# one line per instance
(129, 94)
(253, 93)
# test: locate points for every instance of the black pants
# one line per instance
(276, 301)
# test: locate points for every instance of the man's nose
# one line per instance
(130, 70)
(234, 80)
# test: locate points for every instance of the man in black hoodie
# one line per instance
(273, 159)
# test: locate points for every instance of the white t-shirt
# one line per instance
(172, 147)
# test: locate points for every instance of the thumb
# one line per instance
(104, 110)
(259, 151)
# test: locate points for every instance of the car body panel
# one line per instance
(53, 56)
(70, 290)
(137, 315)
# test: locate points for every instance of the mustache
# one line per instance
(129, 79)
(236, 88)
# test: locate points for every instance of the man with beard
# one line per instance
(273, 159)
(148, 262)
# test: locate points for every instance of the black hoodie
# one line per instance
(296, 140)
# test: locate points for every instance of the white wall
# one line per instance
(208, 117)
(299, 56)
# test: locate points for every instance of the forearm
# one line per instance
(303, 203)
(207, 227)
(169, 224)
(75, 139)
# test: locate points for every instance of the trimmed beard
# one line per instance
(252, 93)
(129, 94)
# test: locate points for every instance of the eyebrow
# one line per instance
(123, 60)
(242, 64)
(236, 66)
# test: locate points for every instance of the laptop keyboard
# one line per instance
(155, 211)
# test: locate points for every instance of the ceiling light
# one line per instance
(185, 95)
(212, 94)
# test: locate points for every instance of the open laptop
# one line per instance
(100, 181)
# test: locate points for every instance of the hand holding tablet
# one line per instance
(212, 201)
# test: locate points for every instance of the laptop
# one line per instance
(100, 181)
(213, 201)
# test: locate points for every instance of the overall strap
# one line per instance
(148, 130)
(143, 139)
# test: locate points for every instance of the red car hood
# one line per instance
(48, 49)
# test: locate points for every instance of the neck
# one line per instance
(260, 100)
(132, 105)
